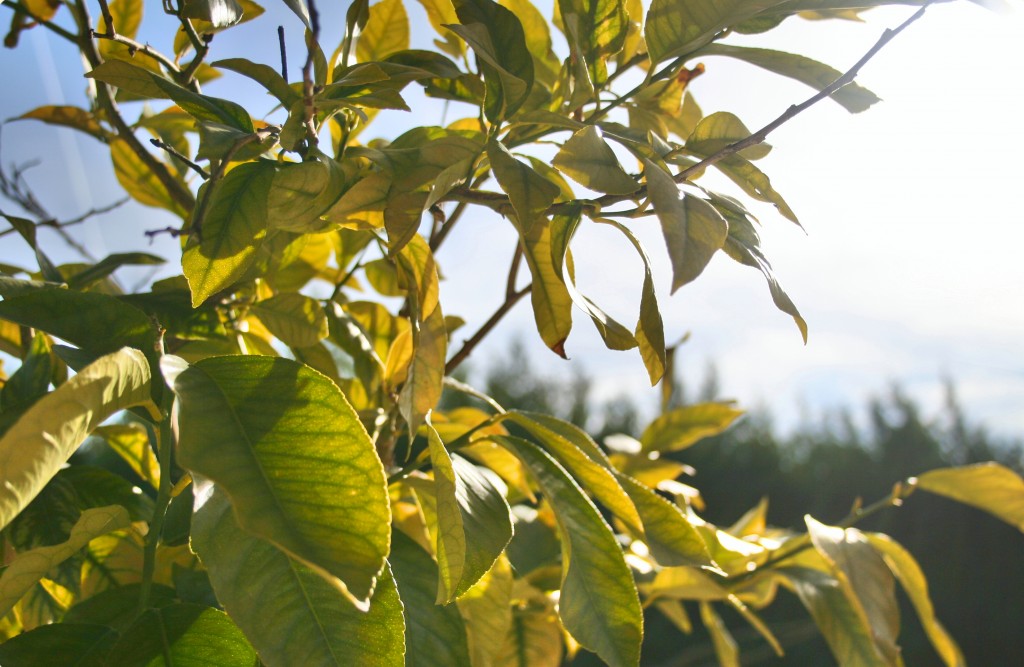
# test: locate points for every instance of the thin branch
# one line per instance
(308, 88)
(108, 19)
(513, 273)
(138, 47)
(173, 151)
(19, 8)
(762, 134)
(57, 224)
(284, 52)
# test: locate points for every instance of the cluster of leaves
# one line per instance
(306, 502)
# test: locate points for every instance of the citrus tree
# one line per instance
(278, 485)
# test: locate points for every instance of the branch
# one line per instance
(284, 52)
(137, 47)
(308, 89)
(19, 8)
(173, 151)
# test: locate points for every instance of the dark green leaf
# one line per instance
(109, 264)
(181, 634)
(294, 458)
(313, 624)
(266, 76)
(32, 379)
(65, 644)
(117, 607)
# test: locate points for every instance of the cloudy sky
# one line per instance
(908, 271)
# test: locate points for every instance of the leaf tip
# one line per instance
(559, 349)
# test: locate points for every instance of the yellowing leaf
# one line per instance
(131, 442)
(486, 609)
(137, 179)
(29, 567)
(425, 381)
(386, 31)
(725, 646)
(530, 193)
(552, 305)
(683, 427)
(68, 116)
(987, 486)
(49, 432)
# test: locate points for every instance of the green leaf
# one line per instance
(686, 426)
(909, 574)
(48, 433)
(596, 29)
(716, 131)
(726, 649)
(592, 163)
(266, 76)
(867, 583)
(300, 10)
(218, 13)
(32, 379)
(117, 607)
(109, 264)
(546, 64)
(297, 320)
(425, 381)
(650, 330)
(435, 634)
(180, 634)
(744, 246)
(70, 644)
(129, 77)
(497, 37)
(99, 487)
(679, 28)
(852, 97)
(598, 602)
(694, 231)
(552, 305)
(671, 537)
(292, 455)
(302, 192)
(486, 610)
(28, 567)
(386, 31)
(988, 486)
(313, 624)
(474, 524)
(615, 336)
(530, 193)
(234, 226)
(131, 443)
(418, 272)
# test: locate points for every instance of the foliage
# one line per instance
(310, 504)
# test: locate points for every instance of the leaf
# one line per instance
(474, 524)
(48, 433)
(671, 537)
(694, 231)
(867, 583)
(716, 131)
(291, 453)
(109, 264)
(183, 633)
(615, 336)
(418, 272)
(497, 37)
(117, 607)
(686, 426)
(592, 163)
(598, 602)
(436, 634)
(129, 77)
(726, 650)
(596, 29)
(300, 10)
(297, 320)
(233, 228)
(386, 31)
(679, 28)
(138, 180)
(535, 639)
(486, 610)
(32, 379)
(552, 305)
(302, 192)
(650, 330)
(439, 13)
(77, 644)
(744, 246)
(530, 193)
(987, 486)
(68, 116)
(266, 76)
(313, 624)
(425, 381)
(852, 97)
(909, 574)
(28, 567)
(218, 13)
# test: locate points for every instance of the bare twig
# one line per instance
(19, 8)
(108, 19)
(61, 224)
(284, 52)
(173, 151)
(138, 47)
(308, 89)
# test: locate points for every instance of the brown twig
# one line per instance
(308, 88)
(19, 8)
(173, 151)
(138, 47)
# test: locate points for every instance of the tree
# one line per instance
(307, 503)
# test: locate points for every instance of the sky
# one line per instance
(907, 271)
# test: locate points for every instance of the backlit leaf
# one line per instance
(181, 634)
(671, 537)
(685, 426)
(726, 649)
(68, 116)
(598, 602)
(218, 13)
(386, 31)
(313, 624)
(592, 163)
(987, 486)
(302, 192)
(296, 319)
(486, 610)
(292, 455)
(48, 433)
(138, 180)
(530, 193)
(425, 380)
(552, 305)
(679, 28)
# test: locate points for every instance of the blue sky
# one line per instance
(908, 272)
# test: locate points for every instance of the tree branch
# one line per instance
(173, 151)
(19, 8)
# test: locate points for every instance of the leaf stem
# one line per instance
(164, 444)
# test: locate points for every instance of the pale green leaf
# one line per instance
(671, 537)
(49, 432)
(988, 486)
(313, 624)
(535, 638)
(418, 270)
(676, 28)
(852, 97)
(726, 649)
(435, 634)
(301, 472)
(474, 524)
(685, 583)
(183, 634)
(265, 75)
(592, 163)
(425, 381)
(598, 27)
(386, 31)
(909, 574)
(598, 602)
(233, 228)
(685, 426)
(866, 581)
(296, 319)
(530, 193)
(301, 192)
(552, 305)
(716, 131)
(486, 610)
(28, 567)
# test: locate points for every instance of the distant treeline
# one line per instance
(974, 564)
